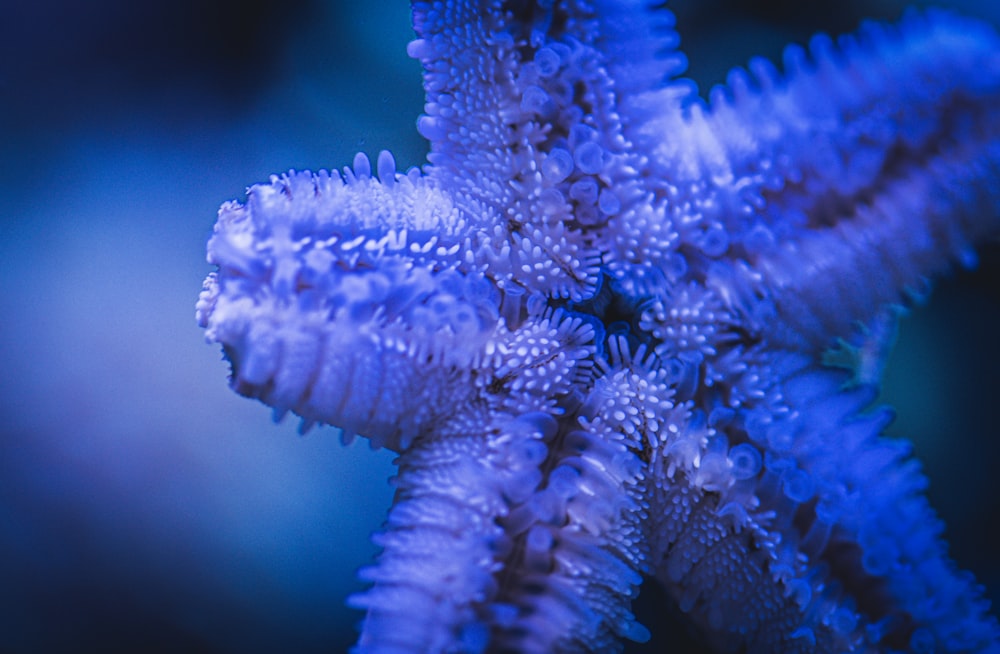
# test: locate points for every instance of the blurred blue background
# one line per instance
(145, 507)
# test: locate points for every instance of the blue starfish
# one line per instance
(614, 330)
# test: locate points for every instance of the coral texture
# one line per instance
(599, 328)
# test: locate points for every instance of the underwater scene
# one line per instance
(145, 506)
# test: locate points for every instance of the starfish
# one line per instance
(614, 330)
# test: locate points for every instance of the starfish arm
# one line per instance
(516, 523)
(862, 519)
(577, 544)
(338, 297)
(793, 525)
(865, 170)
(442, 543)
(530, 113)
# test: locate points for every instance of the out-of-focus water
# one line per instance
(143, 505)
